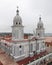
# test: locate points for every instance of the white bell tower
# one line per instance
(17, 28)
(40, 33)
(40, 28)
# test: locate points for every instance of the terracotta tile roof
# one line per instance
(25, 40)
(26, 60)
(48, 41)
(6, 59)
(1, 63)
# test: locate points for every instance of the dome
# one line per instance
(17, 19)
(40, 23)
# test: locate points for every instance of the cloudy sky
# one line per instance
(30, 10)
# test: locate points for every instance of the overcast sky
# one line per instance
(30, 10)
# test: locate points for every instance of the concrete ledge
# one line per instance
(31, 54)
(18, 58)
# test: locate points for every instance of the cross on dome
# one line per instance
(17, 11)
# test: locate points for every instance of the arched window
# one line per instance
(20, 50)
(16, 23)
(19, 22)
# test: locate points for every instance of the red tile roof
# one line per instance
(48, 41)
(1, 63)
(26, 60)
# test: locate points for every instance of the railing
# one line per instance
(40, 59)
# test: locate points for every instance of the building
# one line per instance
(48, 41)
(25, 50)
(21, 47)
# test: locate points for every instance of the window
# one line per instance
(19, 23)
(20, 50)
(20, 46)
(31, 47)
(16, 23)
(38, 34)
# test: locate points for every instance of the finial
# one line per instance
(17, 11)
(40, 18)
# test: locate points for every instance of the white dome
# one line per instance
(40, 23)
(17, 20)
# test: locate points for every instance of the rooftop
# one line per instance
(48, 40)
(5, 59)
(30, 59)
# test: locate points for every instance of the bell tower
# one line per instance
(40, 43)
(40, 28)
(17, 28)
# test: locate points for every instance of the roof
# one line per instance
(8, 38)
(5, 59)
(1, 63)
(48, 40)
(30, 59)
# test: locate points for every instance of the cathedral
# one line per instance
(19, 48)
(22, 48)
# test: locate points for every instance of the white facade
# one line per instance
(17, 28)
(22, 48)
(40, 35)
(40, 32)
